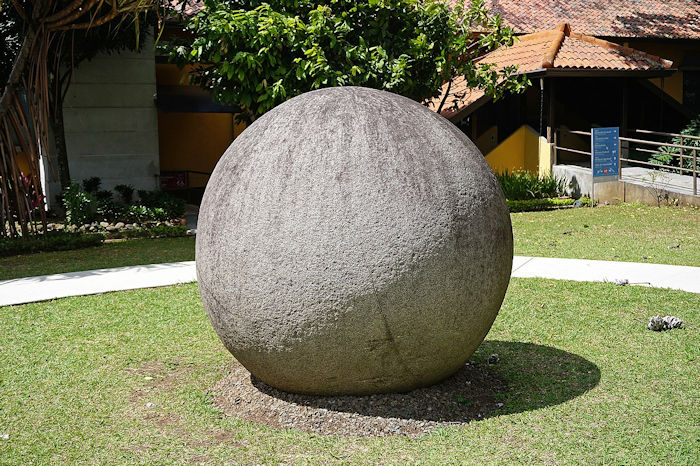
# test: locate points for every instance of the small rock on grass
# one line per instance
(658, 323)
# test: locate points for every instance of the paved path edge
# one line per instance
(46, 287)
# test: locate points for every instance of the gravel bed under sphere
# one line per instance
(463, 397)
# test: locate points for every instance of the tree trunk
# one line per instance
(60, 153)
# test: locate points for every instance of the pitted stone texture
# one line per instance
(352, 241)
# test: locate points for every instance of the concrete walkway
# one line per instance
(31, 289)
(672, 182)
(675, 277)
(61, 285)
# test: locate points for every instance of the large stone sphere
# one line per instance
(351, 241)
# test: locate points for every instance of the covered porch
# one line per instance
(578, 82)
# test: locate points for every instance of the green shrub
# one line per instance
(137, 213)
(126, 193)
(103, 195)
(110, 210)
(52, 241)
(173, 207)
(665, 156)
(522, 185)
(141, 213)
(159, 214)
(78, 205)
(83, 206)
(529, 205)
(92, 184)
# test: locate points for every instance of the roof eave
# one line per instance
(465, 111)
(607, 73)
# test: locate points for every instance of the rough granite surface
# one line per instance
(351, 241)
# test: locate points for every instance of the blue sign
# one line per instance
(605, 145)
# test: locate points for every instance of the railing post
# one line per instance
(695, 172)
(681, 149)
(555, 146)
(619, 159)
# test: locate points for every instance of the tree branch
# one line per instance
(444, 98)
(74, 5)
(135, 7)
(52, 26)
(20, 11)
(16, 73)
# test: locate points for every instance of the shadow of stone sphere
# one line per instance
(526, 377)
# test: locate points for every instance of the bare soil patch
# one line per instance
(468, 395)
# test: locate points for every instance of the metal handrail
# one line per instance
(642, 141)
(657, 165)
(572, 150)
(692, 152)
(657, 143)
(196, 172)
(660, 133)
(670, 154)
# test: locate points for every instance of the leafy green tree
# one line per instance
(257, 54)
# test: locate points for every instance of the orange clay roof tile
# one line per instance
(554, 49)
(671, 19)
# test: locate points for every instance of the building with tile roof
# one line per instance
(630, 19)
(555, 52)
(665, 28)
(643, 56)
(627, 63)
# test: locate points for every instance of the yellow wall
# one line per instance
(23, 163)
(546, 157)
(171, 75)
(520, 151)
(191, 141)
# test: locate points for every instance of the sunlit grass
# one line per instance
(629, 233)
(112, 254)
(587, 384)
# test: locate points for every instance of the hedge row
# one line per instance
(545, 204)
(157, 231)
(64, 241)
(54, 241)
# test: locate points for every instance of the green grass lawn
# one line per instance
(586, 384)
(628, 233)
(112, 254)
(631, 233)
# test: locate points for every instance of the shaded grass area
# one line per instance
(112, 254)
(628, 232)
(583, 381)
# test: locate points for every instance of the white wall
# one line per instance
(111, 122)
